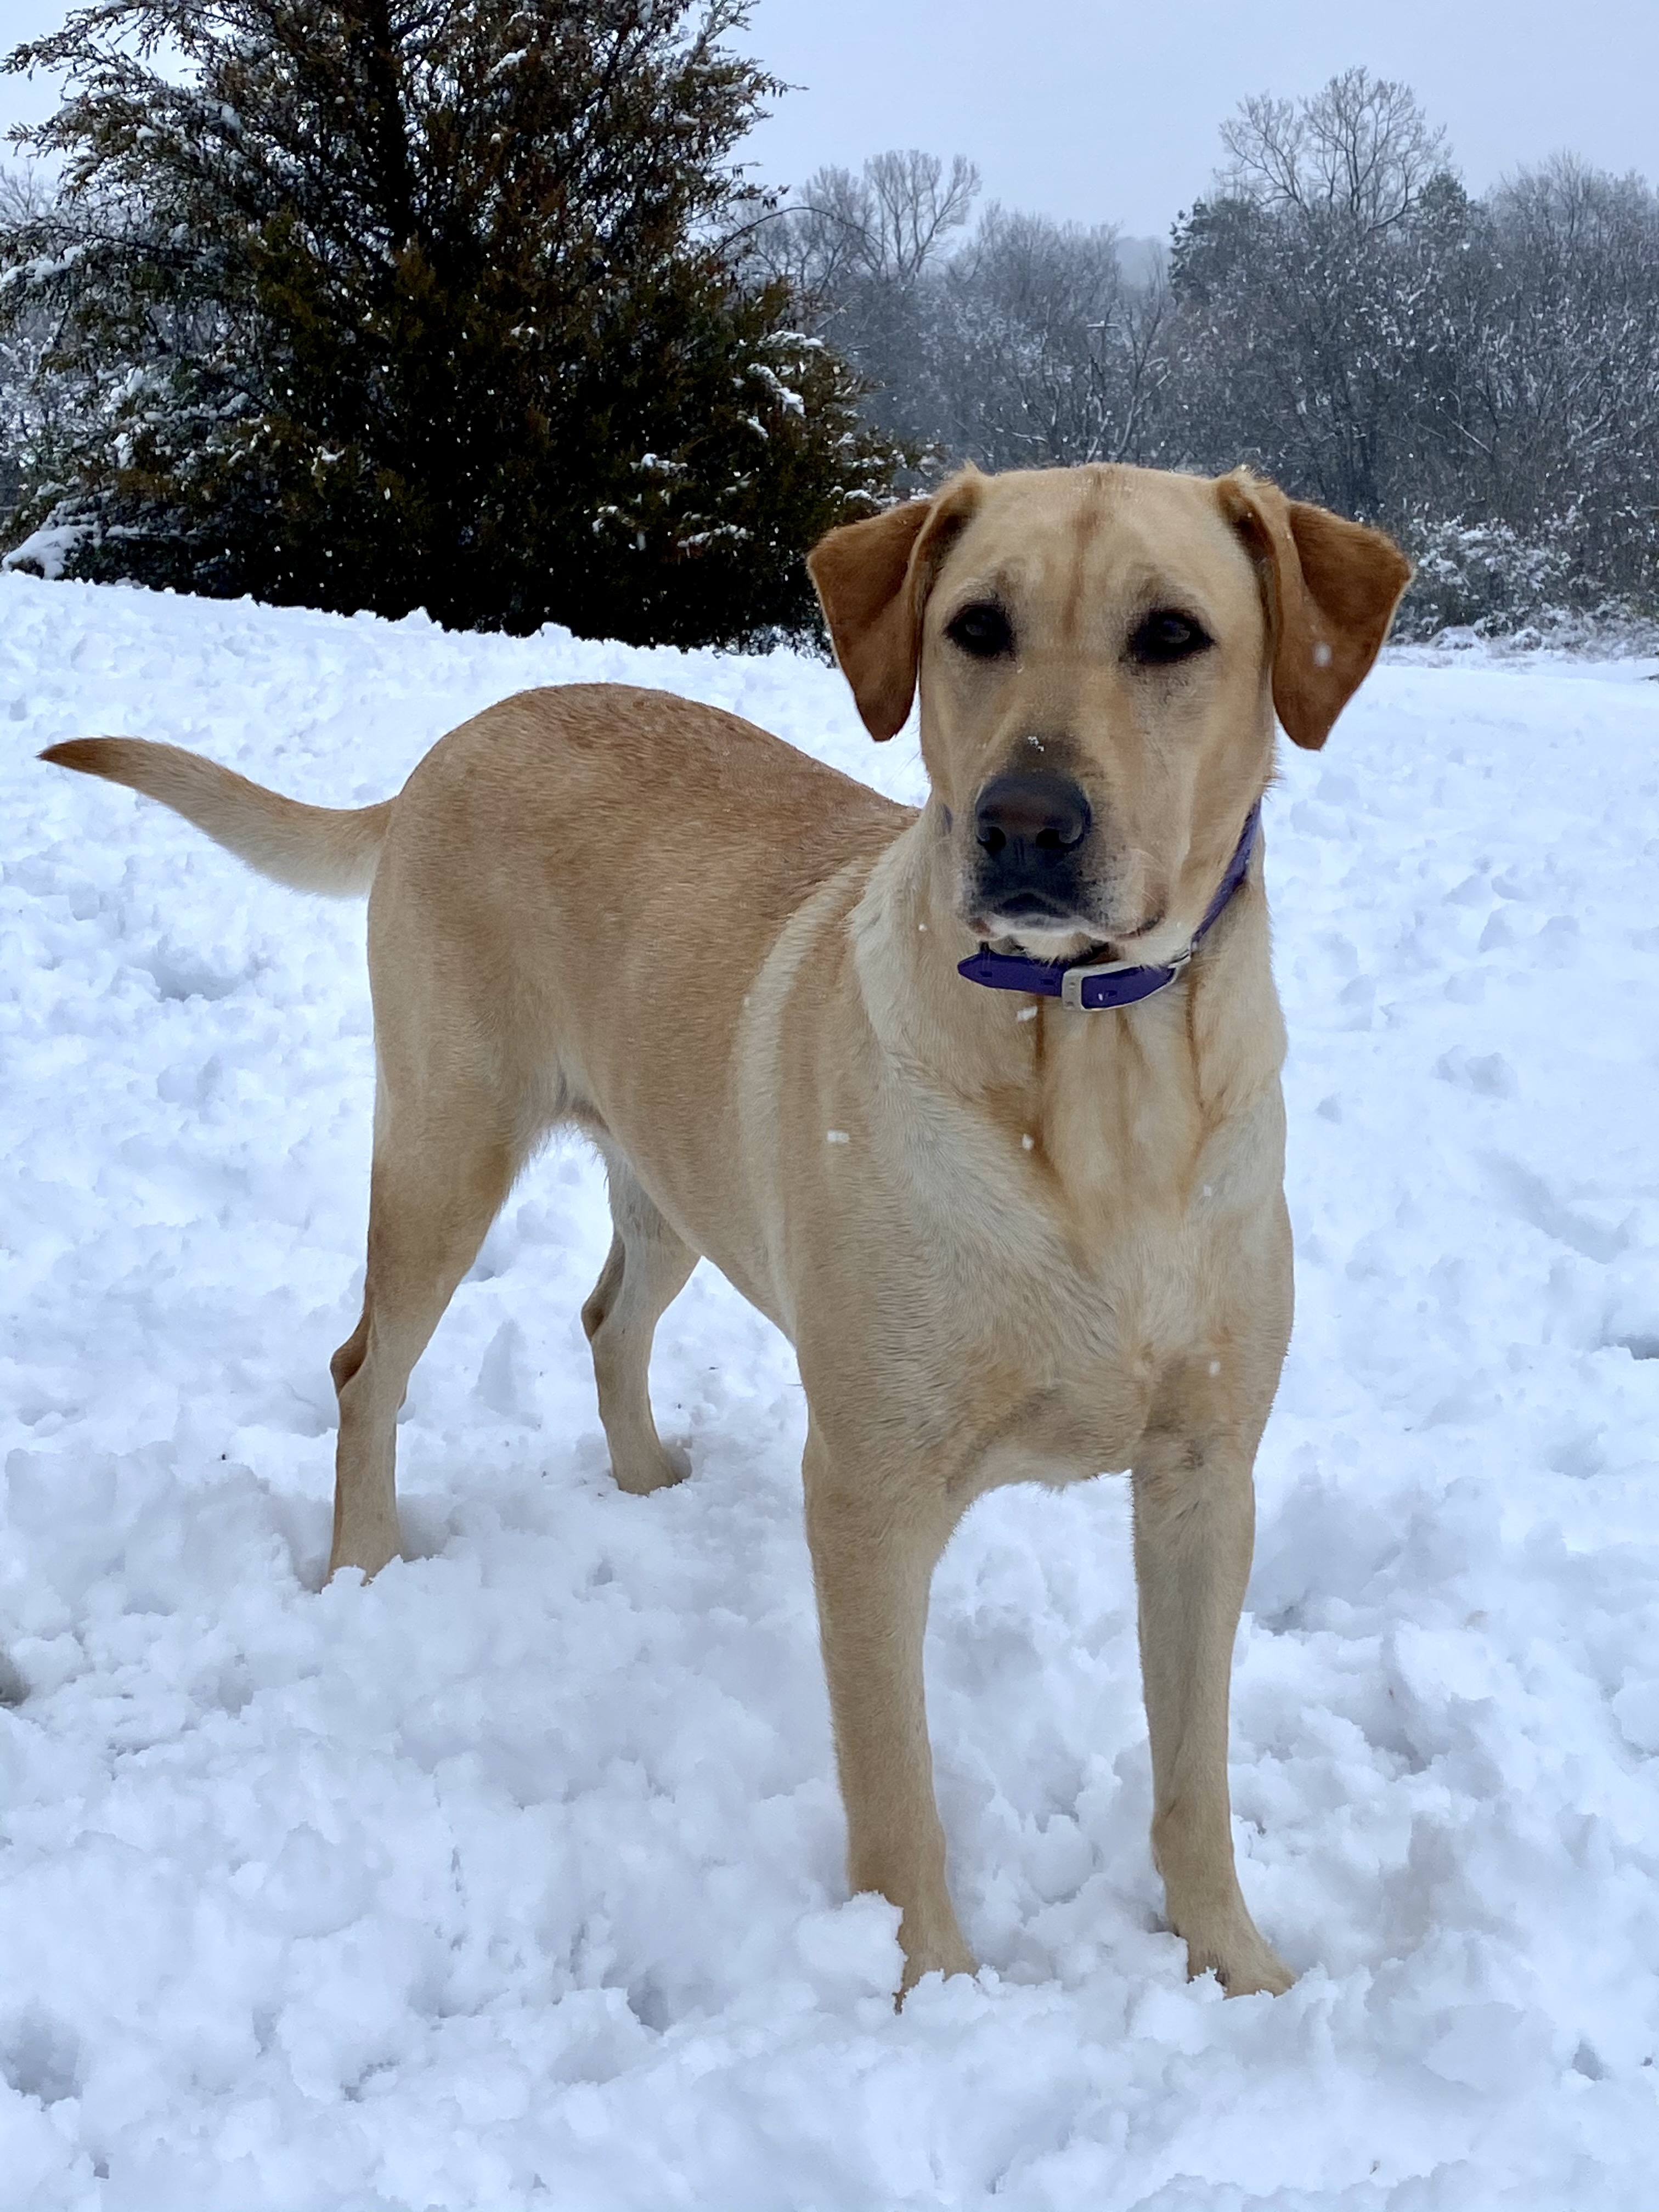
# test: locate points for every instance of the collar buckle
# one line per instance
(1072, 982)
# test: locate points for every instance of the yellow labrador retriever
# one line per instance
(980, 1105)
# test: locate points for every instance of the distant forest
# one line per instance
(377, 305)
(1478, 375)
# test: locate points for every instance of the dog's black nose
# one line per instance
(1029, 818)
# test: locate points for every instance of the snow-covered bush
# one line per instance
(1480, 576)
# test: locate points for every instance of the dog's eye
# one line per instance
(1165, 637)
(983, 631)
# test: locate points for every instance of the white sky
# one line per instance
(1106, 112)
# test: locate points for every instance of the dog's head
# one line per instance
(1100, 654)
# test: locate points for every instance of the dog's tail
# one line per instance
(311, 848)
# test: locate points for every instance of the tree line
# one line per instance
(469, 305)
(1478, 373)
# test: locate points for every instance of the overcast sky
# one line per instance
(1105, 111)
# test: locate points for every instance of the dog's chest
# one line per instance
(1071, 1301)
(1070, 1353)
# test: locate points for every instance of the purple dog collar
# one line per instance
(1090, 985)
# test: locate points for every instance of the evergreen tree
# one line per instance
(398, 303)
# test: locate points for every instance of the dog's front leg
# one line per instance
(1194, 1525)
(875, 1543)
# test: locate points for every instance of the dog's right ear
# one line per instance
(873, 580)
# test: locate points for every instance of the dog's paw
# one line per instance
(367, 1541)
(1243, 1964)
(659, 1470)
(366, 1559)
(945, 1953)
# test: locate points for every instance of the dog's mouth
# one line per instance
(1051, 942)
(1036, 929)
(1041, 923)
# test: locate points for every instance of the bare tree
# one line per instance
(886, 223)
(916, 205)
(1361, 149)
(866, 249)
(1303, 281)
(1053, 358)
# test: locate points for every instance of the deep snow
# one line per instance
(514, 1880)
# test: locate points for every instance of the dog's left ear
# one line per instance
(1331, 587)
(873, 580)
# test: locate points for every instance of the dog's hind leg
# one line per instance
(444, 1161)
(647, 1268)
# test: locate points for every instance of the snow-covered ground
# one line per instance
(514, 1880)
